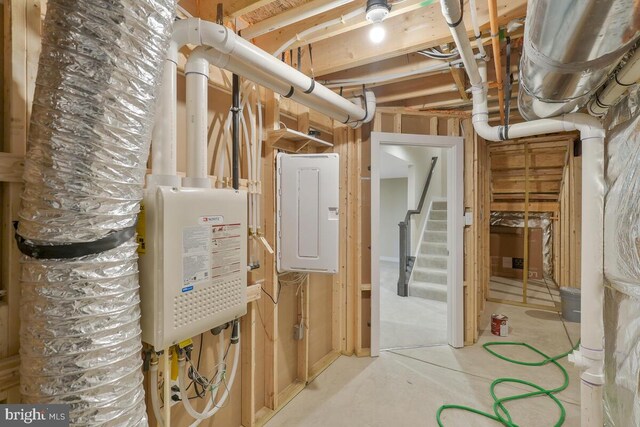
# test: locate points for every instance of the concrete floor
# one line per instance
(405, 387)
(542, 292)
(408, 321)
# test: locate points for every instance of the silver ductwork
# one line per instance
(570, 47)
(89, 138)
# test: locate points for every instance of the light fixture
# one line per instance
(377, 33)
(377, 11)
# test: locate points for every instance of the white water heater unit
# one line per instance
(193, 258)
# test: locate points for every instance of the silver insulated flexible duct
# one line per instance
(99, 71)
(570, 47)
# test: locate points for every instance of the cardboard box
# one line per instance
(507, 252)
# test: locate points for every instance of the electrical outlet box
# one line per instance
(308, 217)
(193, 262)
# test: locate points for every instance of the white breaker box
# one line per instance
(193, 259)
(307, 220)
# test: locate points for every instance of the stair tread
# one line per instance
(430, 270)
(428, 285)
(425, 255)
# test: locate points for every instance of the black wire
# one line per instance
(275, 301)
(200, 350)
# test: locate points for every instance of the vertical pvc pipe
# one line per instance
(197, 75)
(166, 369)
(592, 287)
(236, 132)
(164, 135)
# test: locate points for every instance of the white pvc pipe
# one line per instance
(164, 134)
(591, 354)
(476, 29)
(197, 76)
(155, 401)
(291, 16)
(322, 99)
(613, 91)
(245, 57)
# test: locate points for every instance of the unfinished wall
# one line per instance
(273, 367)
(393, 208)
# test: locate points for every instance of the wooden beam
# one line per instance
(288, 18)
(11, 167)
(9, 372)
(423, 28)
(460, 76)
(237, 8)
(519, 206)
(521, 186)
(331, 24)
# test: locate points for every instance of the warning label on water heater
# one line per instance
(210, 253)
(196, 254)
(225, 251)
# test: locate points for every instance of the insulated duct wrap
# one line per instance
(570, 47)
(98, 75)
(540, 220)
(622, 264)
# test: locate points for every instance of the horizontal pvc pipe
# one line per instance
(321, 99)
(613, 91)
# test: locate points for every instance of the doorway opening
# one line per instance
(416, 245)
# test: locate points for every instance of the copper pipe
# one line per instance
(497, 59)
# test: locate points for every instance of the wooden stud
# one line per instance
(272, 121)
(459, 76)
(248, 348)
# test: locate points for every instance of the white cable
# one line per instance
(301, 36)
(155, 401)
(208, 412)
(259, 160)
(182, 383)
(359, 81)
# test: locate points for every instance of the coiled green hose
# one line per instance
(500, 412)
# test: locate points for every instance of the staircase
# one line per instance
(429, 277)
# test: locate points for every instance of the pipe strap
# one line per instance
(74, 250)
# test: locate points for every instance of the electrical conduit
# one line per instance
(590, 356)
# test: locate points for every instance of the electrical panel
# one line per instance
(193, 258)
(307, 218)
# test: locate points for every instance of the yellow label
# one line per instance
(174, 365)
(141, 229)
(185, 343)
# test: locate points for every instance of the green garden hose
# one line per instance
(500, 412)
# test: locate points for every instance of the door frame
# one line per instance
(455, 229)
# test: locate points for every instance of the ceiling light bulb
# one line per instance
(377, 33)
